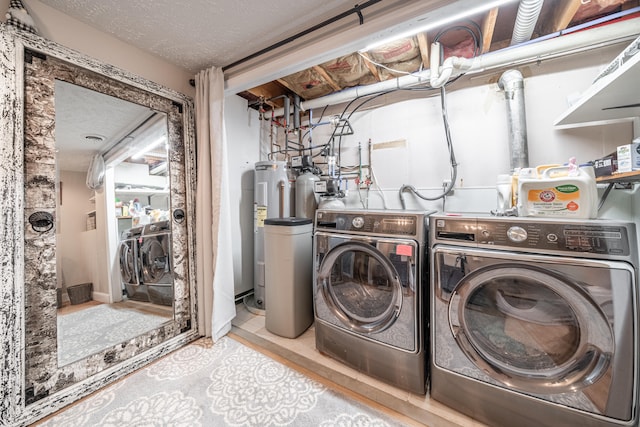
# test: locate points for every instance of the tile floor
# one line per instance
(301, 352)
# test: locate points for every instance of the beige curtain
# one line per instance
(216, 306)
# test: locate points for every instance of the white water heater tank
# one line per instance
(306, 198)
(272, 199)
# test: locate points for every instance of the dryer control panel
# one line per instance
(598, 237)
(378, 223)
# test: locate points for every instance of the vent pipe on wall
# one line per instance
(512, 83)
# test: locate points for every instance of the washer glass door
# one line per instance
(531, 328)
(363, 282)
(128, 262)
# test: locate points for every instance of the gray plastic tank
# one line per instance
(306, 199)
(288, 275)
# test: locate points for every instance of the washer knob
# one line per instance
(517, 234)
(357, 222)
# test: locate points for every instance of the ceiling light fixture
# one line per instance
(149, 147)
(438, 23)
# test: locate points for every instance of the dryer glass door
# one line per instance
(531, 328)
(155, 259)
(363, 282)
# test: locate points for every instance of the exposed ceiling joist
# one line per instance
(327, 77)
(488, 27)
(423, 44)
(487, 32)
(564, 14)
(370, 65)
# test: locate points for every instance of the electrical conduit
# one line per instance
(528, 13)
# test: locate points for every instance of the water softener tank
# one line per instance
(272, 199)
(306, 199)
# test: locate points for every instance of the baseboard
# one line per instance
(100, 297)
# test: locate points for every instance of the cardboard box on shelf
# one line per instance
(606, 166)
(629, 157)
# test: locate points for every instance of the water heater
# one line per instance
(272, 199)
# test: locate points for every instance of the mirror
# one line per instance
(117, 250)
(97, 309)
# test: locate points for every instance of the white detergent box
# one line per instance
(629, 157)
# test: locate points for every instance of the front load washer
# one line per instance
(369, 292)
(535, 321)
(155, 261)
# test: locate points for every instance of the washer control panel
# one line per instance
(534, 234)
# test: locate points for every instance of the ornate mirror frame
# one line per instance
(31, 383)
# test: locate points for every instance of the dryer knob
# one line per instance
(357, 222)
(517, 234)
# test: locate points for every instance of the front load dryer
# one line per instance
(535, 321)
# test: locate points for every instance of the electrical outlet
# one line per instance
(445, 185)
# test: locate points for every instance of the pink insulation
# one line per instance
(349, 70)
(308, 84)
(463, 49)
(594, 8)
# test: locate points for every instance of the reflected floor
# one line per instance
(85, 329)
(301, 354)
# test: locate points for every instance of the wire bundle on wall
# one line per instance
(331, 149)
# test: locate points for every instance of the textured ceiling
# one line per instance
(201, 33)
(82, 112)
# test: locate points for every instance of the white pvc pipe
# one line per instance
(534, 51)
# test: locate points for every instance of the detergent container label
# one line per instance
(554, 199)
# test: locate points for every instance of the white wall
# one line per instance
(74, 34)
(76, 259)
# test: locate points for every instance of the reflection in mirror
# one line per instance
(138, 138)
(99, 306)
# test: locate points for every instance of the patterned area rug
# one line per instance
(85, 332)
(227, 384)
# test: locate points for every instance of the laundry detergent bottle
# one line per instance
(560, 191)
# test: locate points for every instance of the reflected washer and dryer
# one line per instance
(369, 292)
(535, 321)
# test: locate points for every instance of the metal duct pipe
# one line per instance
(296, 111)
(528, 13)
(512, 83)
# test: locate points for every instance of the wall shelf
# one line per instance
(612, 98)
(141, 191)
(633, 176)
